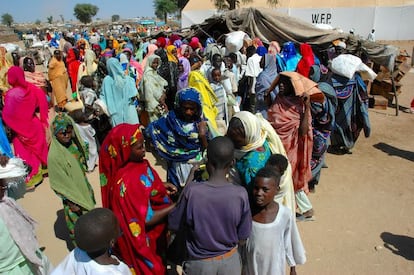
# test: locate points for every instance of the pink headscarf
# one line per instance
(150, 50)
(135, 64)
(19, 114)
(184, 47)
(195, 43)
(274, 48)
(16, 79)
(257, 42)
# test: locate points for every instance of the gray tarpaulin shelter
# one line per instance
(269, 25)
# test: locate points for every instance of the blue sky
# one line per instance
(31, 10)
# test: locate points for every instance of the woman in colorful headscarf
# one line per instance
(180, 136)
(88, 67)
(30, 74)
(263, 82)
(290, 57)
(195, 44)
(186, 51)
(153, 89)
(254, 141)
(36, 78)
(173, 77)
(67, 163)
(274, 48)
(178, 43)
(102, 42)
(73, 64)
(58, 78)
(81, 45)
(257, 42)
(100, 60)
(132, 189)
(19, 113)
(119, 93)
(307, 60)
(209, 99)
(290, 116)
(135, 69)
(184, 69)
(150, 51)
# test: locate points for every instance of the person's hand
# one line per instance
(171, 188)
(306, 98)
(267, 92)
(4, 160)
(163, 98)
(202, 128)
(73, 206)
(165, 107)
(195, 167)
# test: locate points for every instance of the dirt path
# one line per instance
(363, 205)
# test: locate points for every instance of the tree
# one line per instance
(62, 18)
(164, 7)
(115, 18)
(38, 22)
(49, 19)
(232, 4)
(7, 19)
(85, 12)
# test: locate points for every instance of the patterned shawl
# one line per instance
(175, 139)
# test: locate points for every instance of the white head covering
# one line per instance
(257, 131)
(14, 168)
(14, 173)
(255, 137)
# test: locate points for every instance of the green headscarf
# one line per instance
(66, 175)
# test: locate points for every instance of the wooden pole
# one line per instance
(394, 90)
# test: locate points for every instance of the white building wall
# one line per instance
(389, 22)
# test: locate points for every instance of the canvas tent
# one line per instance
(269, 25)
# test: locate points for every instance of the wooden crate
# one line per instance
(384, 88)
(380, 102)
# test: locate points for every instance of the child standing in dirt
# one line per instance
(270, 245)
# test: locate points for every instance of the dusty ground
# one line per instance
(363, 205)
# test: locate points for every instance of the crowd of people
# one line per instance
(242, 126)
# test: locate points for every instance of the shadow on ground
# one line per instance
(401, 108)
(61, 230)
(394, 151)
(399, 245)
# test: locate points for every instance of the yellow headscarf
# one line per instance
(170, 55)
(6, 61)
